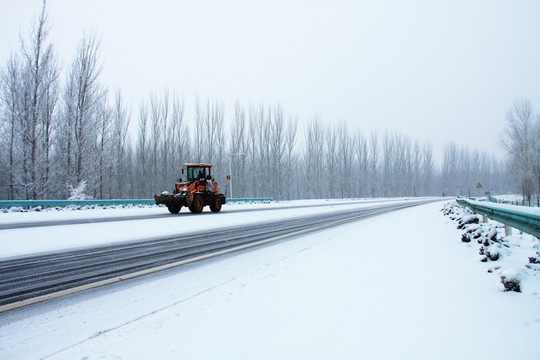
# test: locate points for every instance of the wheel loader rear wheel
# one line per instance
(215, 206)
(197, 204)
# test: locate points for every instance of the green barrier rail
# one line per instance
(35, 203)
(524, 219)
(248, 199)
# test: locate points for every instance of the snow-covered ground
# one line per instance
(397, 286)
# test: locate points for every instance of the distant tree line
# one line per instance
(57, 134)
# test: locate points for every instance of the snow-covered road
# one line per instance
(30, 240)
(396, 286)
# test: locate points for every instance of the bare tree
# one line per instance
(535, 149)
(276, 151)
(141, 154)
(388, 165)
(521, 144)
(252, 149)
(156, 143)
(84, 99)
(314, 160)
(415, 184)
(11, 117)
(37, 98)
(427, 169)
(333, 176)
(216, 139)
(290, 168)
(362, 168)
(120, 148)
(263, 128)
(104, 150)
(238, 147)
(374, 166)
(179, 141)
(449, 170)
(345, 159)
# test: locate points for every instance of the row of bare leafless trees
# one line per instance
(268, 154)
(59, 133)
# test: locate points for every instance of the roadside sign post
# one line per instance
(478, 187)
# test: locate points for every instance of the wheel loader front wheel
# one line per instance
(197, 204)
(174, 209)
(215, 206)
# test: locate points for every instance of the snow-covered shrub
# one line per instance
(474, 231)
(477, 234)
(469, 219)
(492, 235)
(511, 280)
(78, 192)
(492, 253)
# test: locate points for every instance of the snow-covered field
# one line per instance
(517, 199)
(397, 286)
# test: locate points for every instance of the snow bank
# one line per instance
(513, 258)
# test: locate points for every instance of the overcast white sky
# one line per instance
(432, 70)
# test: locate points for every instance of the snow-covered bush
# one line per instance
(78, 192)
(474, 231)
(469, 219)
(511, 279)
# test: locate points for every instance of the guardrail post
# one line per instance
(484, 219)
(507, 230)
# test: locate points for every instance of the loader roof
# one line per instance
(198, 165)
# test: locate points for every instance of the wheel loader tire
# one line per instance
(215, 206)
(174, 209)
(197, 204)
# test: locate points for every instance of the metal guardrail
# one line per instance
(34, 203)
(514, 216)
(248, 199)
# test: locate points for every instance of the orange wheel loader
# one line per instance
(197, 191)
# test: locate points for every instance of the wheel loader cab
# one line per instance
(197, 172)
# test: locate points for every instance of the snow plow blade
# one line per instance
(171, 200)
